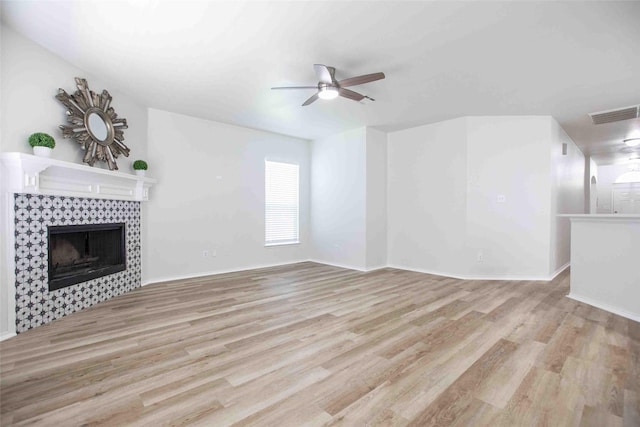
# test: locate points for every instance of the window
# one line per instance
(280, 203)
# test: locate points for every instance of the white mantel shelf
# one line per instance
(26, 173)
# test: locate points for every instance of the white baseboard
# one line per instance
(351, 267)
(6, 335)
(333, 264)
(215, 272)
(432, 272)
(560, 270)
(465, 277)
(376, 267)
(611, 309)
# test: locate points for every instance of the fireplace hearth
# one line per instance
(78, 253)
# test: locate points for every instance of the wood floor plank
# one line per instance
(595, 417)
(631, 411)
(311, 344)
(538, 401)
(460, 395)
(562, 344)
(498, 388)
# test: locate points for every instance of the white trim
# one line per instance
(154, 281)
(269, 245)
(333, 264)
(601, 217)
(351, 267)
(611, 309)
(6, 335)
(432, 272)
(560, 270)
(8, 206)
(376, 267)
(255, 267)
(463, 277)
(26, 173)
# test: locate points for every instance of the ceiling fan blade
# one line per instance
(295, 87)
(361, 79)
(310, 100)
(346, 93)
(324, 73)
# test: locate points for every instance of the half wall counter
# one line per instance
(605, 262)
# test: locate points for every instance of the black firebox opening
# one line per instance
(78, 253)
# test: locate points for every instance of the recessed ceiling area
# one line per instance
(442, 60)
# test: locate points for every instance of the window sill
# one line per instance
(281, 244)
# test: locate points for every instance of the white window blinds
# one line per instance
(281, 203)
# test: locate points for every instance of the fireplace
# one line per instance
(78, 253)
(36, 194)
(35, 216)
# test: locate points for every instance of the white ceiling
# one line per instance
(218, 60)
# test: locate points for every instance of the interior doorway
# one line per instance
(626, 198)
(593, 196)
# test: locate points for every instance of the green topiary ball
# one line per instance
(140, 165)
(40, 139)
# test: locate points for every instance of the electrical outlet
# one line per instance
(480, 256)
(205, 254)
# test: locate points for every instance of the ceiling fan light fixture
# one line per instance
(632, 142)
(328, 92)
(330, 88)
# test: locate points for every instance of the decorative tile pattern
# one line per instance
(35, 305)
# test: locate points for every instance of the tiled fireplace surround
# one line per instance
(37, 193)
(34, 213)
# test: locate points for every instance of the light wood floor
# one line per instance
(309, 344)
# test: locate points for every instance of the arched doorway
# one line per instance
(626, 191)
(593, 196)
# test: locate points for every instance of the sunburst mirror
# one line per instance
(94, 124)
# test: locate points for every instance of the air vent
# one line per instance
(614, 115)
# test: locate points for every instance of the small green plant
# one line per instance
(40, 139)
(140, 165)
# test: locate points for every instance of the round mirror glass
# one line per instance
(97, 126)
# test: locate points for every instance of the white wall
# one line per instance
(30, 80)
(508, 209)
(349, 199)
(376, 209)
(31, 76)
(210, 197)
(472, 197)
(568, 191)
(338, 199)
(427, 197)
(604, 263)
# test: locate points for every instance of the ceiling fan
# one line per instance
(329, 88)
